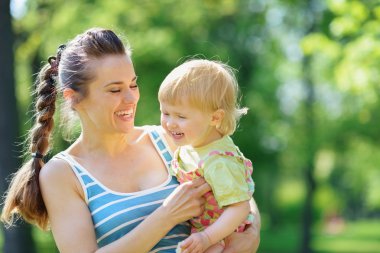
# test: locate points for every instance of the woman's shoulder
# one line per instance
(56, 172)
(59, 184)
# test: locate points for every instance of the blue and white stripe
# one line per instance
(115, 214)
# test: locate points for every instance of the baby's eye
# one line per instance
(115, 90)
(134, 86)
(181, 117)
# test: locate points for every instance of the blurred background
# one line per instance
(308, 71)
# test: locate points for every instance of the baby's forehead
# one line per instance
(176, 101)
(183, 103)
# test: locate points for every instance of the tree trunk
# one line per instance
(310, 146)
(307, 221)
(17, 239)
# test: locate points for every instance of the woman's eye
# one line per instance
(181, 117)
(134, 86)
(115, 91)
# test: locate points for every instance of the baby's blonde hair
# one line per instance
(208, 86)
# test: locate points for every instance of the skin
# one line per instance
(189, 125)
(208, 240)
(112, 149)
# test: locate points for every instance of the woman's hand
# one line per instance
(244, 242)
(186, 201)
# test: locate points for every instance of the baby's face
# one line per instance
(186, 124)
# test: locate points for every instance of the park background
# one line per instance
(309, 71)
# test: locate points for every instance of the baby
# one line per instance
(199, 110)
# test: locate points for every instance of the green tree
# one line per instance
(347, 56)
(313, 95)
(17, 239)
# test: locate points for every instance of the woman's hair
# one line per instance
(70, 68)
(208, 86)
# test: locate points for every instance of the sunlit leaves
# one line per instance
(353, 8)
(344, 26)
(318, 43)
(350, 16)
(358, 70)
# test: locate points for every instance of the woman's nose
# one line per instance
(130, 97)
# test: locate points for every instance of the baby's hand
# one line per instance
(195, 243)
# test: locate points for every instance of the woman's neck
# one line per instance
(106, 144)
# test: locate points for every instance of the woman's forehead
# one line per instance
(114, 68)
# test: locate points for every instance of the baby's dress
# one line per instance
(225, 169)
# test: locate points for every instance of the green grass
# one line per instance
(357, 237)
(354, 237)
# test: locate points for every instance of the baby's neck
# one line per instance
(212, 136)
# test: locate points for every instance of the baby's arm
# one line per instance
(233, 216)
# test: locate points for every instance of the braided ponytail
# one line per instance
(74, 72)
(24, 195)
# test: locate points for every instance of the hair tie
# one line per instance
(37, 155)
(54, 60)
(61, 48)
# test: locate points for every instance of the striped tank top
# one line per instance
(114, 214)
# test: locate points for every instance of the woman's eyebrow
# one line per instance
(119, 82)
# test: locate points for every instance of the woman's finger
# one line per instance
(203, 189)
(185, 243)
(198, 182)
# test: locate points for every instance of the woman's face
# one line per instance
(110, 104)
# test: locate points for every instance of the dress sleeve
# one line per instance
(226, 176)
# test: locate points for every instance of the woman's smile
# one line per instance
(125, 115)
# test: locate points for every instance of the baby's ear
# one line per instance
(217, 117)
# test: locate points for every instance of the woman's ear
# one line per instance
(71, 96)
(217, 117)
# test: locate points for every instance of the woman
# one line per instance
(110, 191)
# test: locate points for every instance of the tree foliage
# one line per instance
(265, 42)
